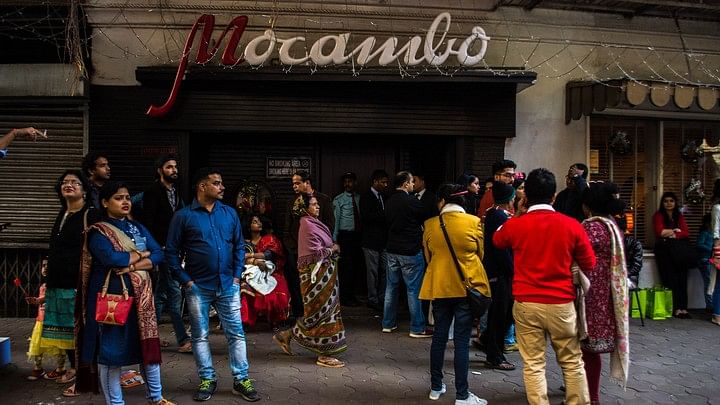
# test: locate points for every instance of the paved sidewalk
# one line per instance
(673, 361)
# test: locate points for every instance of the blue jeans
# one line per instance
(444, 310)
(227, 304)
(168, 296)
(110, 382)
(411, 269)
(716, 295)
(510, 337)
(705, 269)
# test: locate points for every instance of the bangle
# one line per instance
(132, 267)
(253, 262)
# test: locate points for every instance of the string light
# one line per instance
(546, 67)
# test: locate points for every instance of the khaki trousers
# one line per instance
(533, 322)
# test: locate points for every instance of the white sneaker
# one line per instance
(389, 330)
(472, 399)
(435, 395)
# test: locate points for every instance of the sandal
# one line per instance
(504, 366)
(67, 378)
(330, 362)
(54, 375)
(70, 392)
(35, 374)
(185, 347)
(284, 343)
(164, 343)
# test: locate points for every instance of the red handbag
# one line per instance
(113, 309)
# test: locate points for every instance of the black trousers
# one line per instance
(673, 275)
(292, 276)
(499, 319)
(351, 264)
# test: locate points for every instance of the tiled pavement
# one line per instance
(673, 361)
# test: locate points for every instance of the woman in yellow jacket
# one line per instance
(442, 285)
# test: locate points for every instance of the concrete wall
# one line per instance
(560, 46)
(41, 80)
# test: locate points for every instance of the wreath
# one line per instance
(694, 192)
(620, 144)
(691, 152)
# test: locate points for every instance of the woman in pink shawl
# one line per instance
(607, 321)
(321, 329)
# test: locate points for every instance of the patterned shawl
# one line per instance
(142, 286)
(620, 357)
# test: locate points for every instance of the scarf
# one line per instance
(314, 241)
(142, 286)
(620, 357)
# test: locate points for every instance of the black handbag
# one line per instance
(478, 302)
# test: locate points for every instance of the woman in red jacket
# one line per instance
(670, 227)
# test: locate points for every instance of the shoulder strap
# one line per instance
(452, 251)
(85, 219)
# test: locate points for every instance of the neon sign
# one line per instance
(327, 50)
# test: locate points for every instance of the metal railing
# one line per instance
(23, 264)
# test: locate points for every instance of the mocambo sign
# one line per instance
(327, 50)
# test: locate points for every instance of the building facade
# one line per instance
(442, 88)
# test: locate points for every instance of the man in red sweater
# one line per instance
(544, 245)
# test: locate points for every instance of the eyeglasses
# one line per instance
(71, 183)
(508, 175)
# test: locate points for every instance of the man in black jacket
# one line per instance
(405, 215)
(569, 201)
(374, 237)
(160, 201)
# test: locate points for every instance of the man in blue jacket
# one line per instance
(209, 235)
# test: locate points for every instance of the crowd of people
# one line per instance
(506, 256)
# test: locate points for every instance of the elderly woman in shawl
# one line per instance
(121, 248)
(607, 322)
(321, 329)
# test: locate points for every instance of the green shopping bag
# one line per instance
(638, 307)
(659, 303)
(668, 302)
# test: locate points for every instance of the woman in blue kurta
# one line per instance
(126, 249)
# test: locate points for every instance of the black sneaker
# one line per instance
(245, 389)
(205, 390)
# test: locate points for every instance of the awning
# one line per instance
(641, 98)
(164, 74)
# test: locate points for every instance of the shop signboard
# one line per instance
(285, 167)
(434, 49)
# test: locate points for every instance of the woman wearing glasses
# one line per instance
(66, 242)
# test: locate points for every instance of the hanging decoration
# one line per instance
(254, 198)
(694, 192)
(691, 152)
(619, 143)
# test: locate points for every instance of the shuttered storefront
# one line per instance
(438, 128)
(28, 200)
(29, 172)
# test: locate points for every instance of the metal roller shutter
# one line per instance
(29, 172)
